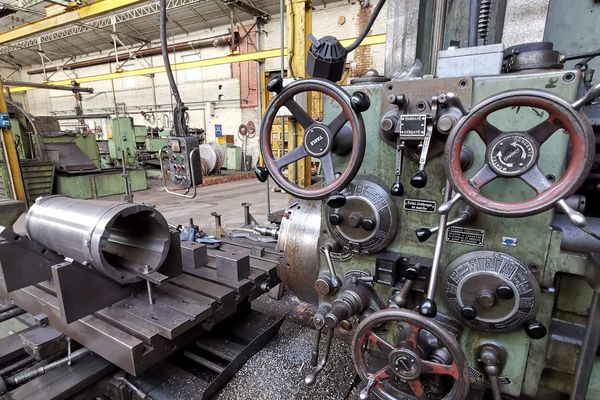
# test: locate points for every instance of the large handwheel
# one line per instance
(400, 354)
(318, 137)
(515, 154)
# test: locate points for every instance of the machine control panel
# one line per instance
(184, 160)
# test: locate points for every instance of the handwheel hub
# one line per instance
(316, 140)
(406, 364)
(512, 154)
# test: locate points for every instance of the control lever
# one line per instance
(319, 321)
(411, 275)
(466, 213)
(336, 282)
(419, 179)
(428, 308)
(492, 365)
(397, 188)
(351, 302)
(451, 99)
(574, 216)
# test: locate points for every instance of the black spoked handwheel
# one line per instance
(400, 354)
(318, 137)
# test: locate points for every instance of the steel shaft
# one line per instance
(113, 237)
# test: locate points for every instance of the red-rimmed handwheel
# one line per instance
(399, 353)
(516, 154)
(318, 137)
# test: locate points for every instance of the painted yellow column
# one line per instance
(11, 156)
(299, 26)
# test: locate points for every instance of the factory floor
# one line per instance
(277, 371)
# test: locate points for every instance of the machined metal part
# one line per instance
(368, 221)
(393, 356)
(299, 241)
(491, 291)
(574, 239)
(120, 240)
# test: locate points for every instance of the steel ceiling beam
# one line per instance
(83, 12)
(98, 23)
(263, 16)
(259, 55)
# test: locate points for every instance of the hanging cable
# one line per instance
(368, 26)
(179, 112)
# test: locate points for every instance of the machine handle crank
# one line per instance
(428, 308)
(466, 213)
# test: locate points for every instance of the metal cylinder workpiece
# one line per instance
(115, 238)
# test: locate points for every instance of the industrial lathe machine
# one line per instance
(453, 239)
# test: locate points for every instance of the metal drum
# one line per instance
(120, 240)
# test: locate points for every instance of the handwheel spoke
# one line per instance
(299, 114)
(536, 179)
(434, 368)
(337, 123)
(484, 176)
(487, 132)
(327, 167)
(384, 346)
(542, 131)
(381, 375)
(294, 155)
(417, 387)
(413, 336)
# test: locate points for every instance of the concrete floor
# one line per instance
(225, 198)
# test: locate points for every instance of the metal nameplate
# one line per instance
(468, 236)
(427, 206)
(413, 126)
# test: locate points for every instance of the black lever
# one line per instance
(336, 200)
(275, 84)
(397, 188)
(262, 174)
(466, 213)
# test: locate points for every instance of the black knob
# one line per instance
(468, 312)
(335, 219)
(368, 224)
(275, 84)
(262, 174)
(419, 180)
(423, 234)
(411, 273)
(336, 200)
(360, 101)
(428, 308)
(535, 329)
(397, 190)
(505, 292)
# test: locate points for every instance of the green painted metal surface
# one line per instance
(537, 245)
(106, 183)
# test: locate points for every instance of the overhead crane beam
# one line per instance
(258, 55)
(76, 14)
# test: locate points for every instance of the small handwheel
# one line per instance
(400, 354)
(516, 154)
(318, 137)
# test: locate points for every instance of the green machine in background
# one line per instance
(67, 162)
(137, 144)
